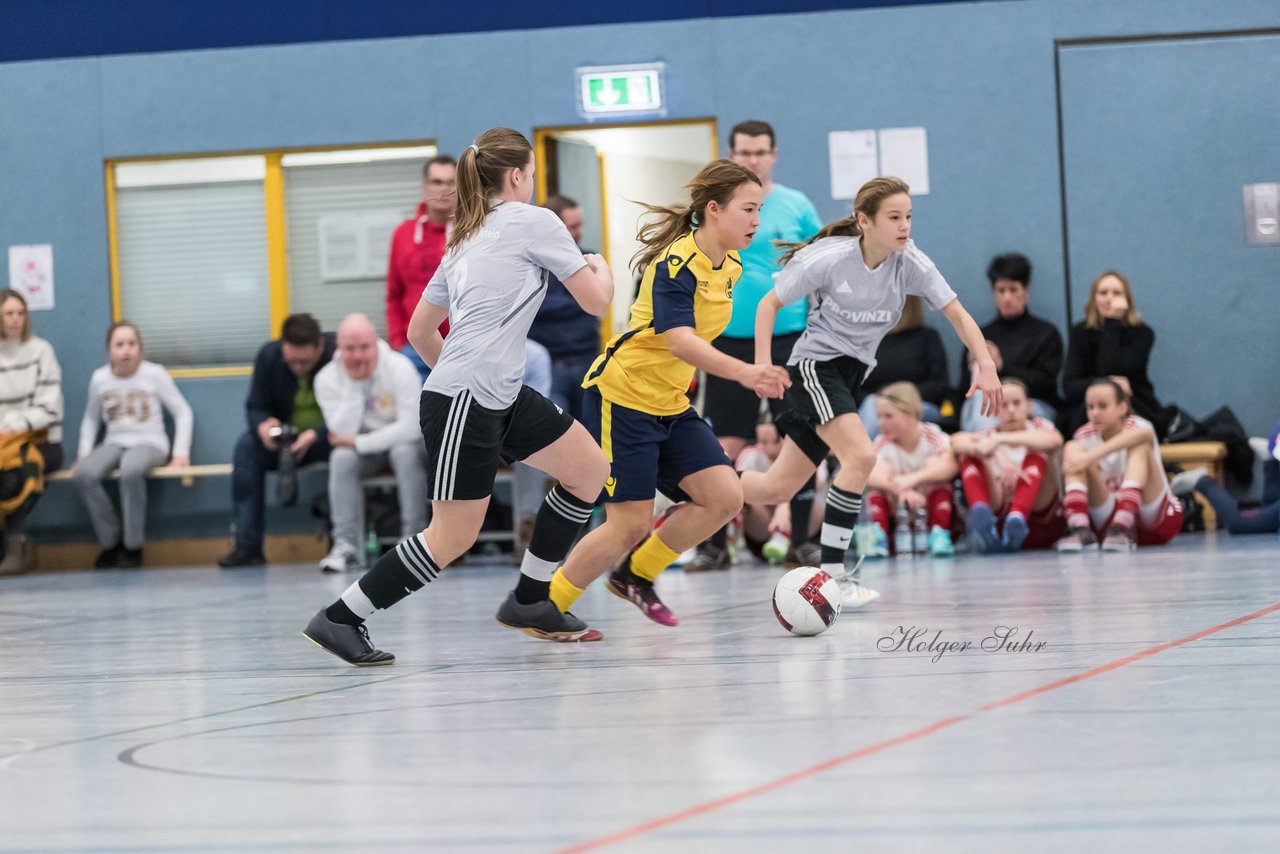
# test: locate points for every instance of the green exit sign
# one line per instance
(620, 89)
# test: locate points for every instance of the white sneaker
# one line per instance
(1184, 483)
(855, 594)
(343, 557)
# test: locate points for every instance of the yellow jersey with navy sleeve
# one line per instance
(680, 288)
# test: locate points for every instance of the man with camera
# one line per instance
(286, 429)
(369, 395)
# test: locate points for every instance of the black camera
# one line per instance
(287, 482)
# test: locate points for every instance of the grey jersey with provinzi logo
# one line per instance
(853, 307)
(493, 285)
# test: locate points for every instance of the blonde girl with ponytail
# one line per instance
(475, 412)
(857, 273)
(636, 403)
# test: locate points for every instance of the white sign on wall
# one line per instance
(857, 156)
(356, 245)
(31, 274)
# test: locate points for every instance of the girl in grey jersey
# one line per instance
(476, 414)
(857, 273)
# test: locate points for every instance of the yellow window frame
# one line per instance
(277, 244)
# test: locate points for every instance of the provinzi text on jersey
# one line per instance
(917, 639)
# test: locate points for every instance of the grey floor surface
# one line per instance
(180, 710)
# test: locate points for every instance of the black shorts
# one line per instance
(466, 443)
(820, 392)
(731, 409)
(649, 453)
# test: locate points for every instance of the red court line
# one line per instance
(938, 726)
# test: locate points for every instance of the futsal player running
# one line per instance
(1115, 480)
(1011, 474)
(858, 272)
(636, 404)
(476, 414)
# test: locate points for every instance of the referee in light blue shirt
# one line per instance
(788, 216)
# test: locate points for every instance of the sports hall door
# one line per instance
(607, 170)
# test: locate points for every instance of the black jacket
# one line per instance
(912, 355)
(273, 386)
(1031, 350)
(1113, 349)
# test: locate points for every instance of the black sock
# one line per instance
(720, 539)
(530, 590)
(802, 511)
(559, 520)
(837, 524)
(401, 571)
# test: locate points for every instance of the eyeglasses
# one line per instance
(754, 155)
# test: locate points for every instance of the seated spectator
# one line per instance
(1115, 482)
(1024, 347)
(126, 395)
(284, 419)
(1011, 474)
(571, 336)
(1111, 342)
(766, 528)
(911, 353)
(369, 397)
(1261, 520)
(914, 467)
(30, 413)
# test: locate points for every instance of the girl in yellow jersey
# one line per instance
(636, 405)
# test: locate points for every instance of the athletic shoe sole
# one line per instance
(584, 636)
(1015, 534)
(982, 529)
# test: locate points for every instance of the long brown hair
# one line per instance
(716, 182)
(482, 170)
(912, 314)
(868, 201)
(1093, 317)
(7, 294)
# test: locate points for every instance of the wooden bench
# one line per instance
(1191, 455)
(187, 476)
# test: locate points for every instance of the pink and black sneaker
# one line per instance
(625, 584)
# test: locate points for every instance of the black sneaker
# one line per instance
(241, 558)
(350, 643)
(130, 559)
(709, 558)
(108, 558)
(805, 554)
(543, 620)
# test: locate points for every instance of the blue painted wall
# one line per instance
(979, 76)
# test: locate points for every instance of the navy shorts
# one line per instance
(649, 453)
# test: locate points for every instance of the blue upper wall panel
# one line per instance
(49, 29)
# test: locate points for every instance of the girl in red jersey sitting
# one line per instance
(1116, 485)
(1011, 475)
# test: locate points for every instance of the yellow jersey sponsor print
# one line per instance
(680, 288)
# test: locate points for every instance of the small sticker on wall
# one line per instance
(31, 274)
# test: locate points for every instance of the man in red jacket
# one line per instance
(417, 247)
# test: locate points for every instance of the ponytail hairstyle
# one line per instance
(717, 182)
(482, 170)
(868, 202)
(1121, 397)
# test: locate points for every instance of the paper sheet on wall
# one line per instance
(852, 156)
(904, 153)
(31, 274)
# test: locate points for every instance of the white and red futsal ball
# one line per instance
(807, 601)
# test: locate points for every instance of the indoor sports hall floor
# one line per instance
(181, 711)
